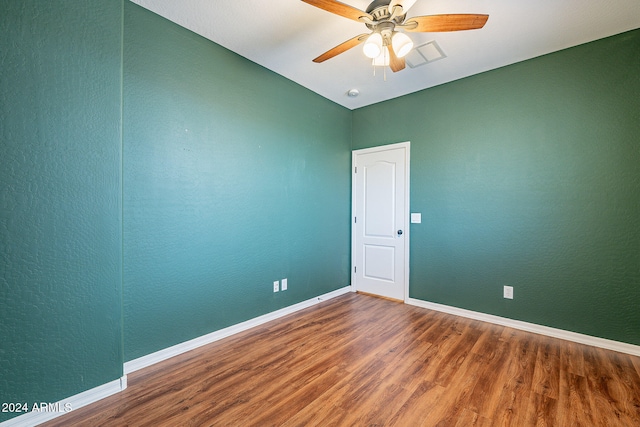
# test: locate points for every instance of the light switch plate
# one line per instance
(416, 218)
(284, 285)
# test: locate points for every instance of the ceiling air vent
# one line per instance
(424, 54)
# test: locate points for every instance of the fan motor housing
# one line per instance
(379, 10)
(375, 4)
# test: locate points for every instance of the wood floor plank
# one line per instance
(469, 418)
(542, 411)
(624, 374)
(635, 361)
(457, 354)
(419, 407)
(365, 361)
(598, 388)
(546, 376)
(453, 402)
(513, 401)
(486, 344)
(571, 358)
(574, 402)
(614, 394)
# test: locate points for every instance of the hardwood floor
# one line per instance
(357, 360)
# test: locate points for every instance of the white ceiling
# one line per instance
(285, 35)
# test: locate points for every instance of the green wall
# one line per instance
(528, 176)
(234, 177)
(60, 198)
(195, 179)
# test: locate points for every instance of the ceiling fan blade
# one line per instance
(342, 47)
(338, 8)
(441, 23)
(396, 64)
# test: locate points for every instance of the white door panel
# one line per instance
(379, 262)
(379, 212)
(380, 206)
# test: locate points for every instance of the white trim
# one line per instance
(74, 402)
(531, 327)
(407, 215)
(159, 356)
(407, 206)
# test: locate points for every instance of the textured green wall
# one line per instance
(60, 199)
(528, 176)
(234, 177)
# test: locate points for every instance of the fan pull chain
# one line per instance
(384, 68)
(385, 52)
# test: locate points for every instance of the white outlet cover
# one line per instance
(276, 286)
(508, 292)
(416, 218)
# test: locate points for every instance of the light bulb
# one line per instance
(373, 47)
(401, 44)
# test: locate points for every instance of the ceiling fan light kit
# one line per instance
(386, 45)
(373, 46)
(401, 44)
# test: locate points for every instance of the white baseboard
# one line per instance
(531, 327)
(53, 410)
(158, 356)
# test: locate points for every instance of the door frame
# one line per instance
(406, 214)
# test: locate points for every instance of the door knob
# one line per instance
(399, 232)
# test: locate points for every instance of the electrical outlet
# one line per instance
(276, 286)
(508, 292)
(284, 284)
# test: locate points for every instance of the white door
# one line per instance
(380, 240)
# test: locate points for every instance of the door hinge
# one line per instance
(355, 269)
(355, 170)
(355, 219)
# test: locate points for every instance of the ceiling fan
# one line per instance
(386, 45)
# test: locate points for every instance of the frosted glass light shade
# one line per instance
(373, 47)
(401, 44)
